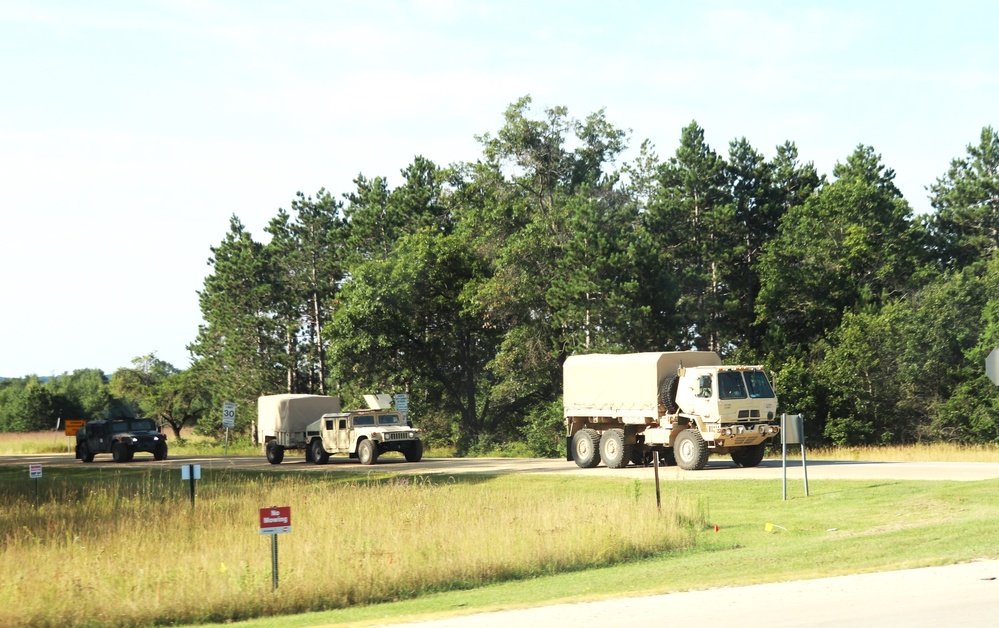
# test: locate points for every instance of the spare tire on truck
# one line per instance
(667, 393)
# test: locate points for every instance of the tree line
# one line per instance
(468, 285)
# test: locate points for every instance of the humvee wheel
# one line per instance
(367, 451)
(319, 453)
(119, 453)
(613, 451)
(161, 452)
(690, 450)
(275, 453)
(85, 453)
(585, 448)
(414, 453)
(749, 456)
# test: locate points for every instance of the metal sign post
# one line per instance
(792, 430)
(35, 472)
(228, 421)
(274, 521)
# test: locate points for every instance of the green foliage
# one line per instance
(544, 430)
(160, 391)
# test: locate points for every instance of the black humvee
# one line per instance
(121, 438)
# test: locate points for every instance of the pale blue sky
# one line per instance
(131, 131)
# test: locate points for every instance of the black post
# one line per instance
(274, 562)
(190, 468)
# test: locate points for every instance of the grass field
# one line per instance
(126, 547)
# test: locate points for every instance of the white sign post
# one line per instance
(35, 472)
(228, 420)
(992, 366)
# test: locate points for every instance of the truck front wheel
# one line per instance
(319, 453)
(613, 451)
(275, 453)
(585, 448)
(690, 450)
(367, 451)
(750, 456)
(414, 452)
(119, 453)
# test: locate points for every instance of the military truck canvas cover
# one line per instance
(625, 385)
(291, 413)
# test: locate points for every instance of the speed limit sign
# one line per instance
(228, 414)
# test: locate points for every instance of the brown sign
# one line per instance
(73, 426)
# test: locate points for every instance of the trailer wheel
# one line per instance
(667, 393)
(275, 453)
(690, 450)
(367, 451)
(414, 452)
(750, 456)
(319, 453)
(586, 448)
(613, 451)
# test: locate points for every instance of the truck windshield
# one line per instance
(119, 427)
(759, 387)
(364, 420)
(388, 419)
(730, 385)
(143, 424)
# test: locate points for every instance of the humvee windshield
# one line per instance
(143, 424)
(364, 420)
(388, 419)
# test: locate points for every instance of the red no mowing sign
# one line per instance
(275, 520)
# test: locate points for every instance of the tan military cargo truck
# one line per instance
(315, 425)
(686, 405)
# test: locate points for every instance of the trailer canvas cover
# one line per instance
(291, 413)
(601, 384)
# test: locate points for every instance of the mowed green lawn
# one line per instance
(125, 547)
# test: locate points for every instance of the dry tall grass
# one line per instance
(129, 550)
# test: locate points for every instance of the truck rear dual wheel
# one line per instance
(690, 450)
(613, 450)
(586, 448)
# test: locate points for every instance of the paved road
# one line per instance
(953, 596)
(722, 468)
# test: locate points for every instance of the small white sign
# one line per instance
(402, 402)
(992, 366)
(34, 470)
(188, 469)
(228, 414)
